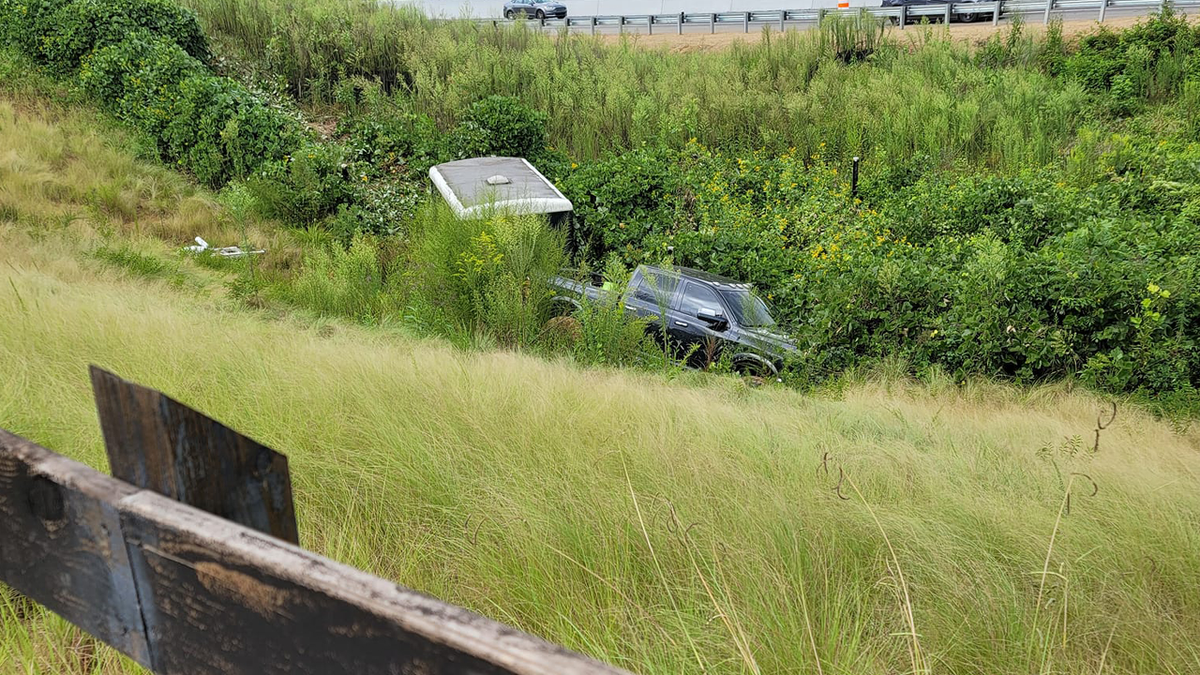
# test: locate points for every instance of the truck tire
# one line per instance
(753, 366)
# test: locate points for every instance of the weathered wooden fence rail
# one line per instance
(187, 561)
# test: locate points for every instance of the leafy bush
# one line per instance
(621, 200)
(78, 27)
(137, 79)
(502, 126)
(306, 185)
(220, 131)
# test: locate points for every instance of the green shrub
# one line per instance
(306, 185)
(502, 126)
(78, 27)
(13, 21)
(220, 131)
(138, 79)
(621, 200)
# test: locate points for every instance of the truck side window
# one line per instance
(696, 296)
(656, 289)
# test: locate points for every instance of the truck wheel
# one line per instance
(563, 307)
(755, 370)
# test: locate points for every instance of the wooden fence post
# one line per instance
(156, 443)
(63, 546)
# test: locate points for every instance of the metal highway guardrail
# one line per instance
(898, 15)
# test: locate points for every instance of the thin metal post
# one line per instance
(746, 22)
(649, 24)
(820, 16)
(946, 19)
(1162, 6)
(712, 23)
(679, 26)
(903, 16)
(1103, 6)
(854, 180)
(1046, 16)
(996, 13)
(782, 18)
(621, 25)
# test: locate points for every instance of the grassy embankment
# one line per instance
(665, 525)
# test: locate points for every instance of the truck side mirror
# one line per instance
(713, 318)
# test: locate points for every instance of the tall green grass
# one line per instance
(667, 524)
(687, 526)
(783, 91)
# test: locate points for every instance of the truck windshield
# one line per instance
(748, 310)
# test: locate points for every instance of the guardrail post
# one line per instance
(1162, 6)
(1046, 16)
(712, 23)
(679, 26)
(649, 24)
(746, 22)
(782, 18)
(593, 25)
(621, 25)
(996, 13)
(946, 18)
(903, 16)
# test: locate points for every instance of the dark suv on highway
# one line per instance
(704, 314)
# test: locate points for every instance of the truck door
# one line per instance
(653, 295)
(687, 331)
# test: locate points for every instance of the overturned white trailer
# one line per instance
(483, 186)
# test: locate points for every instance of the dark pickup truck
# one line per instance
(705, 315)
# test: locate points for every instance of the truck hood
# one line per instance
(769, 341)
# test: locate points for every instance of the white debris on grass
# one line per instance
(226, 252)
